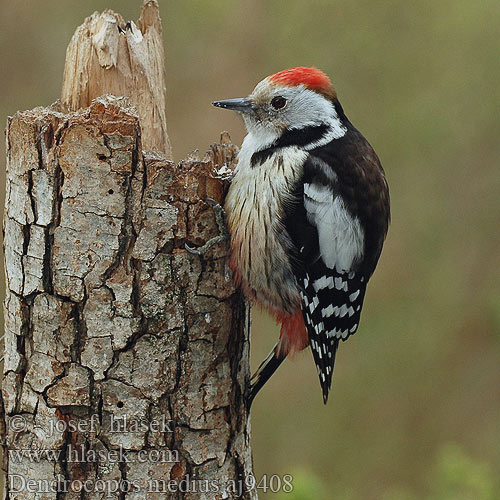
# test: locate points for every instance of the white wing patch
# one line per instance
(341, 238)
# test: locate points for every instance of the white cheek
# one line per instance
(308, 108)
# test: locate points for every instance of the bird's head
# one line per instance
(292, 99)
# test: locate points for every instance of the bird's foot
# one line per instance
(220, 219)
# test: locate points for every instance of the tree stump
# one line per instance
(126, 358)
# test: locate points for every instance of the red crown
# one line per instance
(312, 78)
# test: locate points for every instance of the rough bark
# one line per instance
(126, 357)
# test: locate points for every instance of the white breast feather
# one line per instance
(253, 216)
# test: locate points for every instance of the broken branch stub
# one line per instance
(106, 55)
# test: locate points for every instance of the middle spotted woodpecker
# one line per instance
(307, 213)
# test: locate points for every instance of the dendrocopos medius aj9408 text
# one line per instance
(307, 213)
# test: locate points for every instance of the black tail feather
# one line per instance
(322, 364)
(264, 373)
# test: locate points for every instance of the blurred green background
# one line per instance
(415, 409)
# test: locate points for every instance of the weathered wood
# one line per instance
(109, 56)
(109, 322)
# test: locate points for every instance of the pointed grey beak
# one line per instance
(241, 104)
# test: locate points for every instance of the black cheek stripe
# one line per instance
(293, 137)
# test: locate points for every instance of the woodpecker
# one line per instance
(307, 213)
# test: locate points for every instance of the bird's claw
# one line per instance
(192, 250)
(220, 219)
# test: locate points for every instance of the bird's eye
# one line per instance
(278, 102)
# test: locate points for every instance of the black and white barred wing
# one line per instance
(332, 288)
